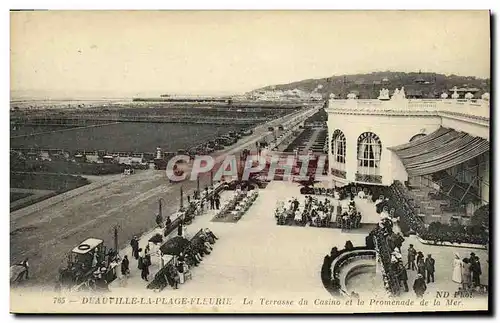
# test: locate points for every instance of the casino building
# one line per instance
(432, 145)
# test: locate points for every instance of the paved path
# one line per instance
(255, 257)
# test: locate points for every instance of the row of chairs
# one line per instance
(229, 206)
(238, 205)
(244, 205)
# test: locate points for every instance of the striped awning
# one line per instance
(440, 150)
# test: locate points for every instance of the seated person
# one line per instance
(298, 216)
(209, 233)
(193, 255)
(281, 219)
(206, 242)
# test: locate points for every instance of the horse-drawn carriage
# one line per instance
(90, 266)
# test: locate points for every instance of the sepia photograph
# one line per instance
(291, 162)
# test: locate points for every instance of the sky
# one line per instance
(130, 53)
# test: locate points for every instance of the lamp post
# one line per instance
(182, 199)
(115, 237)
(160, 206)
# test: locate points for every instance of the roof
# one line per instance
(87, 245)
(440, 150)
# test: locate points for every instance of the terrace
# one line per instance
(255, 259)
(472, 111)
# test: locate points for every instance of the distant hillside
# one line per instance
(425, 85)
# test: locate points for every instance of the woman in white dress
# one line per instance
(457, 269)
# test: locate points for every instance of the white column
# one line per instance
(351, 157)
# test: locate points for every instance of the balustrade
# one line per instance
(478, 109)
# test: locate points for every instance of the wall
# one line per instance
(462, 124)
(392, 131)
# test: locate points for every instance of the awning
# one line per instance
(440, 150)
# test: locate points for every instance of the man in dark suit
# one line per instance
(412, 253)
(430, 268)
(134, 243)
(403, 276)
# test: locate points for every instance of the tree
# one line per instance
(481, 217)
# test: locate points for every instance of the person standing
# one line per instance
(147, 255)
(420, 256)
(212, 202)
(295, 204)
(476, 271)
(412, 253)
(419, 286)
(421, 266)
(430, 268)
(145, 268)
(168, 223)
(159, 221)
(134, 243)
(398, 240)
(403, 276)
(202, 205)
(217, 200)
(457, 269)
(140, 263)
(180, 230)
(466, 273)
(125, 266)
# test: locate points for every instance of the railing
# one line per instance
(188, 213)
(366, 178)
(339, 173)
(477, 109)
(391, 280)
(343, 258)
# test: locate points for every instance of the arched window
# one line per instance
(338, 146)
(417, 136)
(339, 154)
(369, 151)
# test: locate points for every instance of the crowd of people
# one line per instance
(143, 257)
(348, 217)
(178, 269)
(173, 271)
(467, 272)
(315, 212)
(312, 212)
